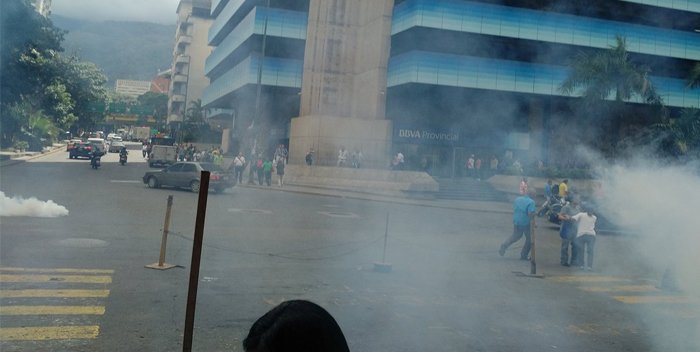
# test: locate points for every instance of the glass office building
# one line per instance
(463, 76)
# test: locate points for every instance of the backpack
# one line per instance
(555, 189)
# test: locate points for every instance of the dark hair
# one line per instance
(296, 326)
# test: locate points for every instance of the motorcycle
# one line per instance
(551, 209)
(122, 159)
(95, 162)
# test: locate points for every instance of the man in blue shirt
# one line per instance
(523, 214)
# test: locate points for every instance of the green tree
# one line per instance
(610, 73)
(195, 113)
(606, 80)
(155, 104)
(694, 76)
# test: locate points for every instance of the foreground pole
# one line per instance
(196, 258)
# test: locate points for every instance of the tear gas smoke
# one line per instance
(18, 206)
(660, 204)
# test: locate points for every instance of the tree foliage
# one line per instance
(610, 74)
(42, 90)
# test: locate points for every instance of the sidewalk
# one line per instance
(8, 158)
(474, 206)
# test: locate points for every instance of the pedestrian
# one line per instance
(567, 232)
(477, 168)
(259, 169)
(400, 160)
(585, 237)
(238, 166)
(523, 186)
(267, 170)
(342, 156)
(144, 149)
(280, 171)
(564, 189)
(309, 158)
(356, 159)
(296, 326)
(493, 164)
(523, 215)
(470, 166)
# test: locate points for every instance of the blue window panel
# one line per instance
(426, 74)
(506, 79)
(468, 77)
(692, 50)
(447, 77)
(529, 24)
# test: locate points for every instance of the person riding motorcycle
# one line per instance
(122, 155)
(95, 157)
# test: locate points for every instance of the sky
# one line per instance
(157, 11)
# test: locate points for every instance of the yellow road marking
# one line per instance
(652, 299)
(68, 293)
(56, 270)
(87, 279)
(624, 288)
(49, 333)
(46, 310)
(587, 278)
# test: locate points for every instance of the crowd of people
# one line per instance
(577, 228)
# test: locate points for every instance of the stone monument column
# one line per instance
(343, 98)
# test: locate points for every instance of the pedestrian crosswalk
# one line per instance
(630, 291)
(51, 305)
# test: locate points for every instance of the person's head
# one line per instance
(566, 180)
(296, 326)
(549, 182)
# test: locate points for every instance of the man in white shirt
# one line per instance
(585, 237)
(238, 165)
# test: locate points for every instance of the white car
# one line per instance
(116, 146)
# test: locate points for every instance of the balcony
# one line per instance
(184, 39)
(180, 78)
(182, 59)
(178, 98)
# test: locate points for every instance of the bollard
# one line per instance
(383, 266)
(161, 265)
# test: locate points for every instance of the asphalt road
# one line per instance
(448, 289)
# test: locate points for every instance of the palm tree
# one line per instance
(694, 76)
(604, 73)
(610, 75)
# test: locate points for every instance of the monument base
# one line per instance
(327, 134)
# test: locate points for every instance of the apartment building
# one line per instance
(191, 49)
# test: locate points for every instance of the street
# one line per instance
(448, 289)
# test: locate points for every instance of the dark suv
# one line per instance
(80, 150)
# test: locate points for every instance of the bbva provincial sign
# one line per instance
(425, 136)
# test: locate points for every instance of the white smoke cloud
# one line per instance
(18, 206)
(660, 204)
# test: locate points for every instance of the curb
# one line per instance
(23, 159)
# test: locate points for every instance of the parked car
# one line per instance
(186, 175)
(116, 146)
(98, 143)
(80, 150)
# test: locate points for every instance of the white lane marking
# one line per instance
(125, 181)
(249, 211)
(339, 214)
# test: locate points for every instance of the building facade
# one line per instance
(132, 88)
(437, 80)
(187, 80)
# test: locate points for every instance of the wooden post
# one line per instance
(161, 265)
(196, 258)
(533, 256)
